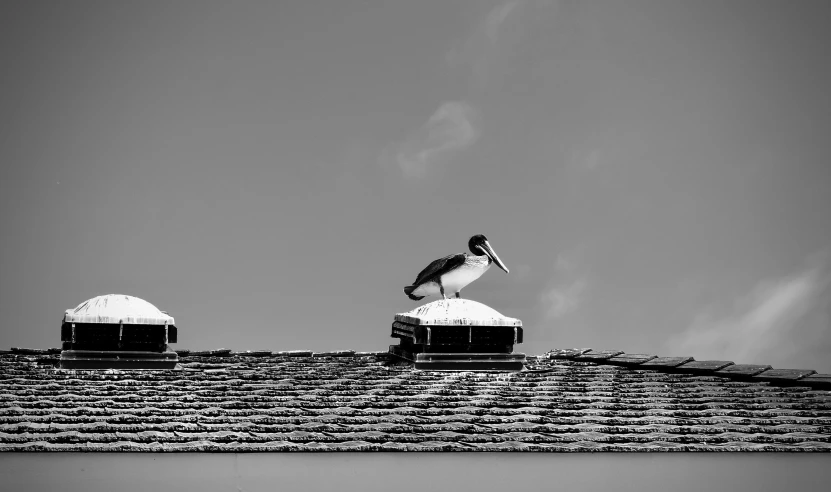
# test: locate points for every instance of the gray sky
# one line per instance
(655, 174)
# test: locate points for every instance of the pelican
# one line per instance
(452, 273)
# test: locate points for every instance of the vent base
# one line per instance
(460, 361)
(118, 359)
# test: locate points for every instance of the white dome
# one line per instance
(117, 308)
(456, 312)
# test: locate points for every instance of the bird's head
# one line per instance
(479, 245)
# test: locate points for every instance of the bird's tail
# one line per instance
(409, 291)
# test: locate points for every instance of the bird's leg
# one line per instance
(458, 295)
(441, 288)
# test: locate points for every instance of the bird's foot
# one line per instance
(458, 295)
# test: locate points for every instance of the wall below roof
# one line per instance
(401, 472)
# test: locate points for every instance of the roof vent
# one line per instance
(458, 335)
(116, 331)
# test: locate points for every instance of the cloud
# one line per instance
(587, 158)
(486, 49)
(451, 128)
(566, 263)
(592, 159)
(484, 52)
(567, 291)
(560, 300)
(497, 17)
(781, 322)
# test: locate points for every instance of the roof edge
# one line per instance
(688, 365)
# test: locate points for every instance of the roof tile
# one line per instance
(783, 374)
(665, 362)
(251, 353)
(294, 353)
(704, 366)
(630, 359)
(566, 353)
(822, 381)
(334, 353)
(29, 351)
(597, 355)
(738, 370)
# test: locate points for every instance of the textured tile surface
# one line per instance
(784, 374)
(742, 370)
(630, 359)
(567, 353)
(666, 362)
(296, 402)
(704, 366)
(597, 355)
(817, 378)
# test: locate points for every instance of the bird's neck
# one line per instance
(483, 255)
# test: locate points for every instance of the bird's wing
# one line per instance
(439, 267)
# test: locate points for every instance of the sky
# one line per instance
(655, 174)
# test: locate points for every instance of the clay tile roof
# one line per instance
(566, 400)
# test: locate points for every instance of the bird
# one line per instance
(452, 273)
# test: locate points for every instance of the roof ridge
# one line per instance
(684, 365)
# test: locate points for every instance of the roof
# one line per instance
(566, 400)
(117, 308)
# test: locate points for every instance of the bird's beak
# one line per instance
(492, 254)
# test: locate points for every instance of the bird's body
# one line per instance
(454, 280)
(449, 275)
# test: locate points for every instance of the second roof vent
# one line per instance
(458, 335)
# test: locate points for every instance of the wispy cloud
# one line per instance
(496, 17)
(590, 154)
(567, 290)
(560, 300)
(451, 128)
(591, 159)
(783, 322)
(486, 48)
